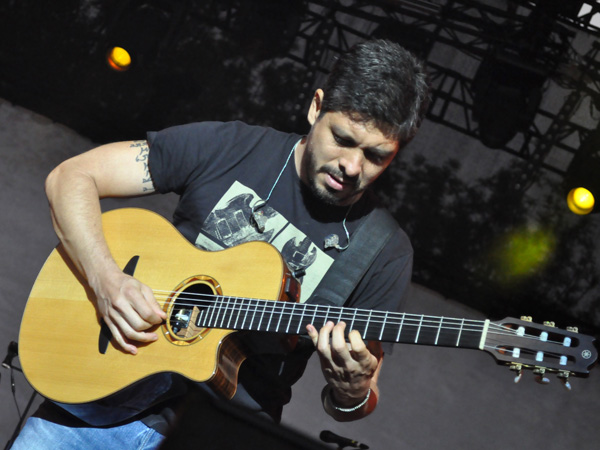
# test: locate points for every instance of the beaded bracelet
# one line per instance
(347, 410)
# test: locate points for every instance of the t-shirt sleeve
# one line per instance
(202, 153)
(180, 153)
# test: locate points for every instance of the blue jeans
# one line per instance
(40, 434)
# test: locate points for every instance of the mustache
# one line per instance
(340, 175)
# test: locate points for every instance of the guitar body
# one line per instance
(62, 349)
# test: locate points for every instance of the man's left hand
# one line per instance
(348, 367)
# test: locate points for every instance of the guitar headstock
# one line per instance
(544, 349)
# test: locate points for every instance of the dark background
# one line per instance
(511, 77)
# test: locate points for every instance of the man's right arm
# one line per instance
(74, 190)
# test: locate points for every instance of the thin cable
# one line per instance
(331, 236)
(261, 203)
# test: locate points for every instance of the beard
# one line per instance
(323, 192)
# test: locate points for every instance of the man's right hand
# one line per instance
(128, 307)
(74, 190)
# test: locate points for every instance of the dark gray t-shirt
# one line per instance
(221, 170)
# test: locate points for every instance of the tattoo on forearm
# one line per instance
(142, 158)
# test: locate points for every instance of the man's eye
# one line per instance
(377, 158)
(341, 141)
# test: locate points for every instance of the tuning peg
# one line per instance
(549, 323)
(564, 377)
(573, 329)
(518, 368)
(540, 378)
(527, 318)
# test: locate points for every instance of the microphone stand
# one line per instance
(7, 363)
(342, 442)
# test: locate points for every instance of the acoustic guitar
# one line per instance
(67, 354)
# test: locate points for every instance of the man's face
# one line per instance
(343, 157)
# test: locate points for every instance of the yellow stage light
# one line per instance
(524, 252)
(580, 201)
(118, 59)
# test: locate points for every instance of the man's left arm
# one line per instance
(352, 367)
(351, 370)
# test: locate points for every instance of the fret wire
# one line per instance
(460, 332)
(262, 316)
(210, 312)
(367, 325)
(271, 315)
(265, 313)
(215, 317)
(230, 310)
(253, 314)
(226, 315)
(218, 312)
(239, 313)
(223, 317)
(326, 315)
(346, 316)
(353, 320)
(280, 314)
(246, 315)
(287, 329)
(419, 329)
(219, 316)
(400, 328)
(276, 307)
(257, 315)
(300, 322)
(383, 326)
(437, 336)
(315, 313)
(215, 313)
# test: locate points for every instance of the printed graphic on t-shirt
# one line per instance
(229, 224)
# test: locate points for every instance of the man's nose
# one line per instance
(351, 162)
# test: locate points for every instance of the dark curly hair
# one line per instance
(379, 81)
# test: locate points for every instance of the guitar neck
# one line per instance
(292, 318)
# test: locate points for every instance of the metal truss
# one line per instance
(452, 36)
(474, 28)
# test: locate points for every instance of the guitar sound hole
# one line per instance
(191, 302)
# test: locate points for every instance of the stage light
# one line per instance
(118, 59)
(136, 34)
(523, 252)
(507, 93)
(580, 201)
(582, 179)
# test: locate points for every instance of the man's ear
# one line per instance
(315, 107)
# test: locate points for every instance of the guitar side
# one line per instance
(60, 331)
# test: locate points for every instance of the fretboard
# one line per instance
(291, 318)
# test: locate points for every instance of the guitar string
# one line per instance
(425, 330)
(267, 303)
(365, 312)
(428, 325)
(374, 316)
